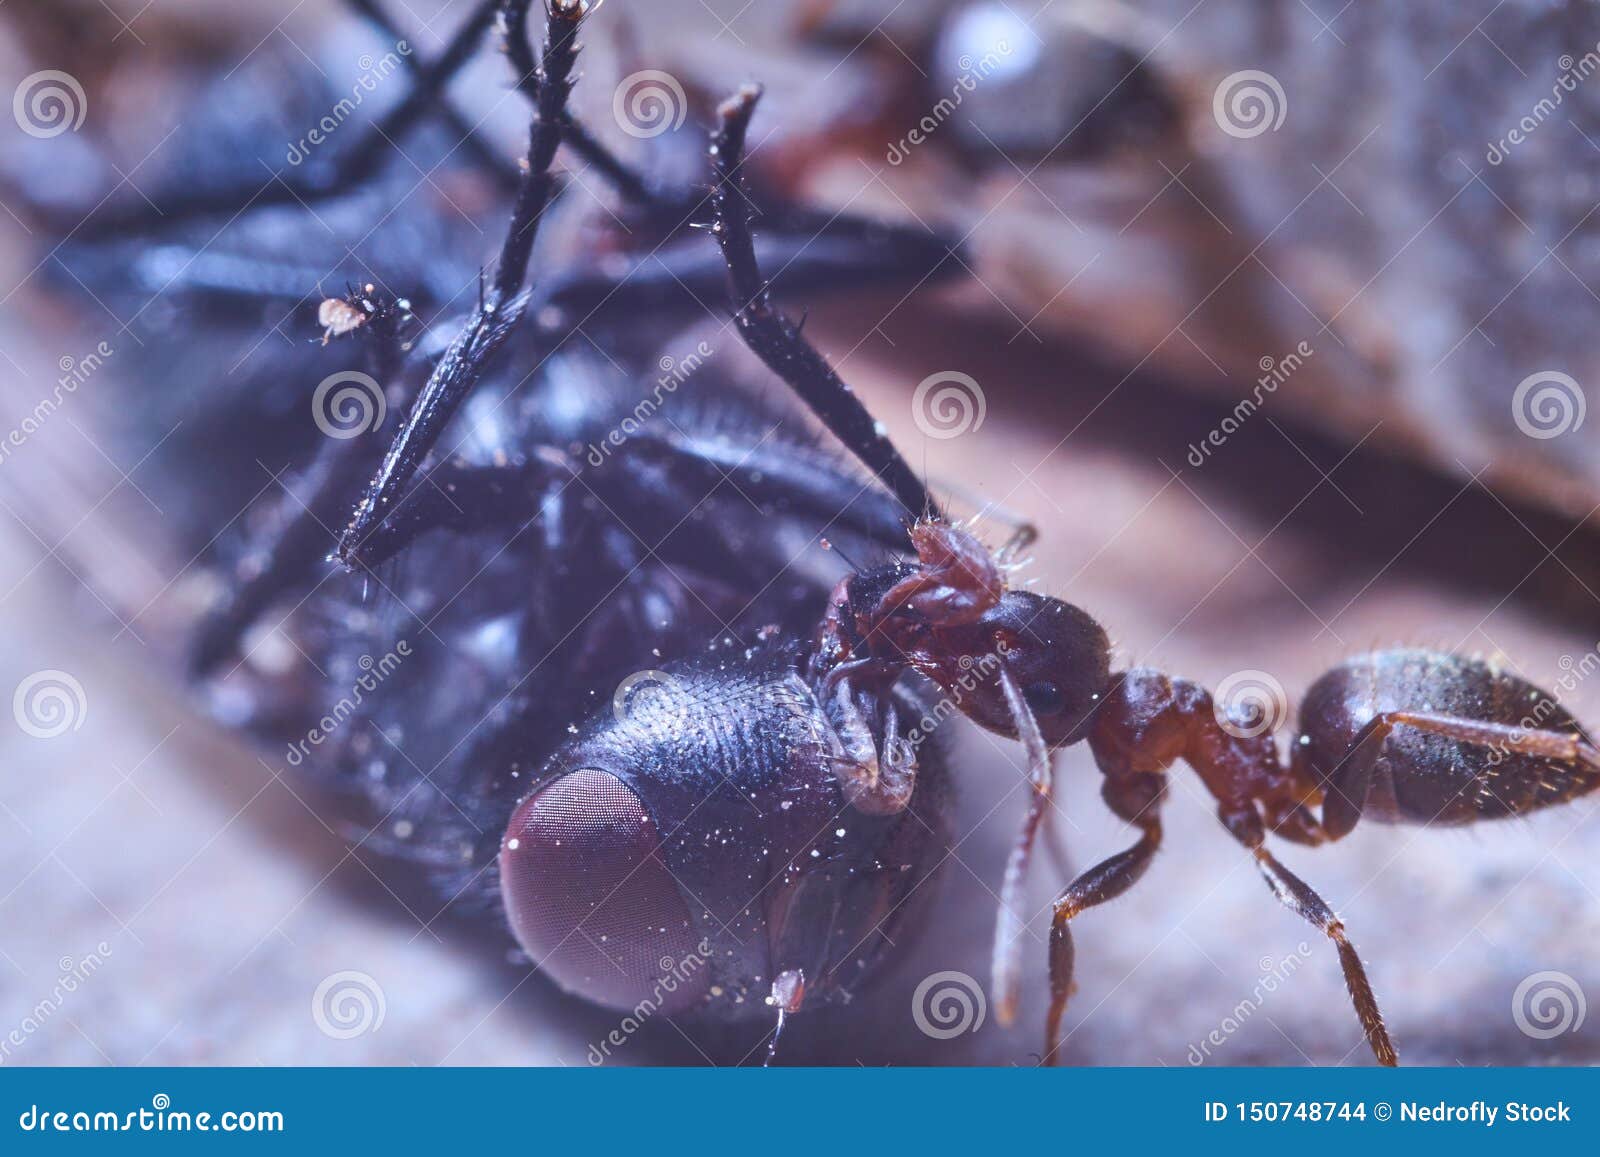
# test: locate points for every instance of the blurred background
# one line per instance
(1278, 326)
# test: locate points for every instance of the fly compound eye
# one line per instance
(590, 899)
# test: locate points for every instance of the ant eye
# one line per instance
(589, 898)
(1043, 697)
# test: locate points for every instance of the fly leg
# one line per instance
(482, 155)
(773, 338)
(313, 183)
(502, 304)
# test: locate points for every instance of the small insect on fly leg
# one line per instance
(291, 553)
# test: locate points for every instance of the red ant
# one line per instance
(1400, 736)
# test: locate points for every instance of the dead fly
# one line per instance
(639, 721)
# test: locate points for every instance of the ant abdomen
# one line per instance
(1411, 736)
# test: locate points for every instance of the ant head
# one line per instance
(1055, 654)
(951, 616)
(692, 846)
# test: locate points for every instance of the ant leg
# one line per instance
(1147, 721)
(1348, 786)
(770, 335)
(342, 174)
(1009, 924)
(1137, 799)
(503, 304)
(1300, 898)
